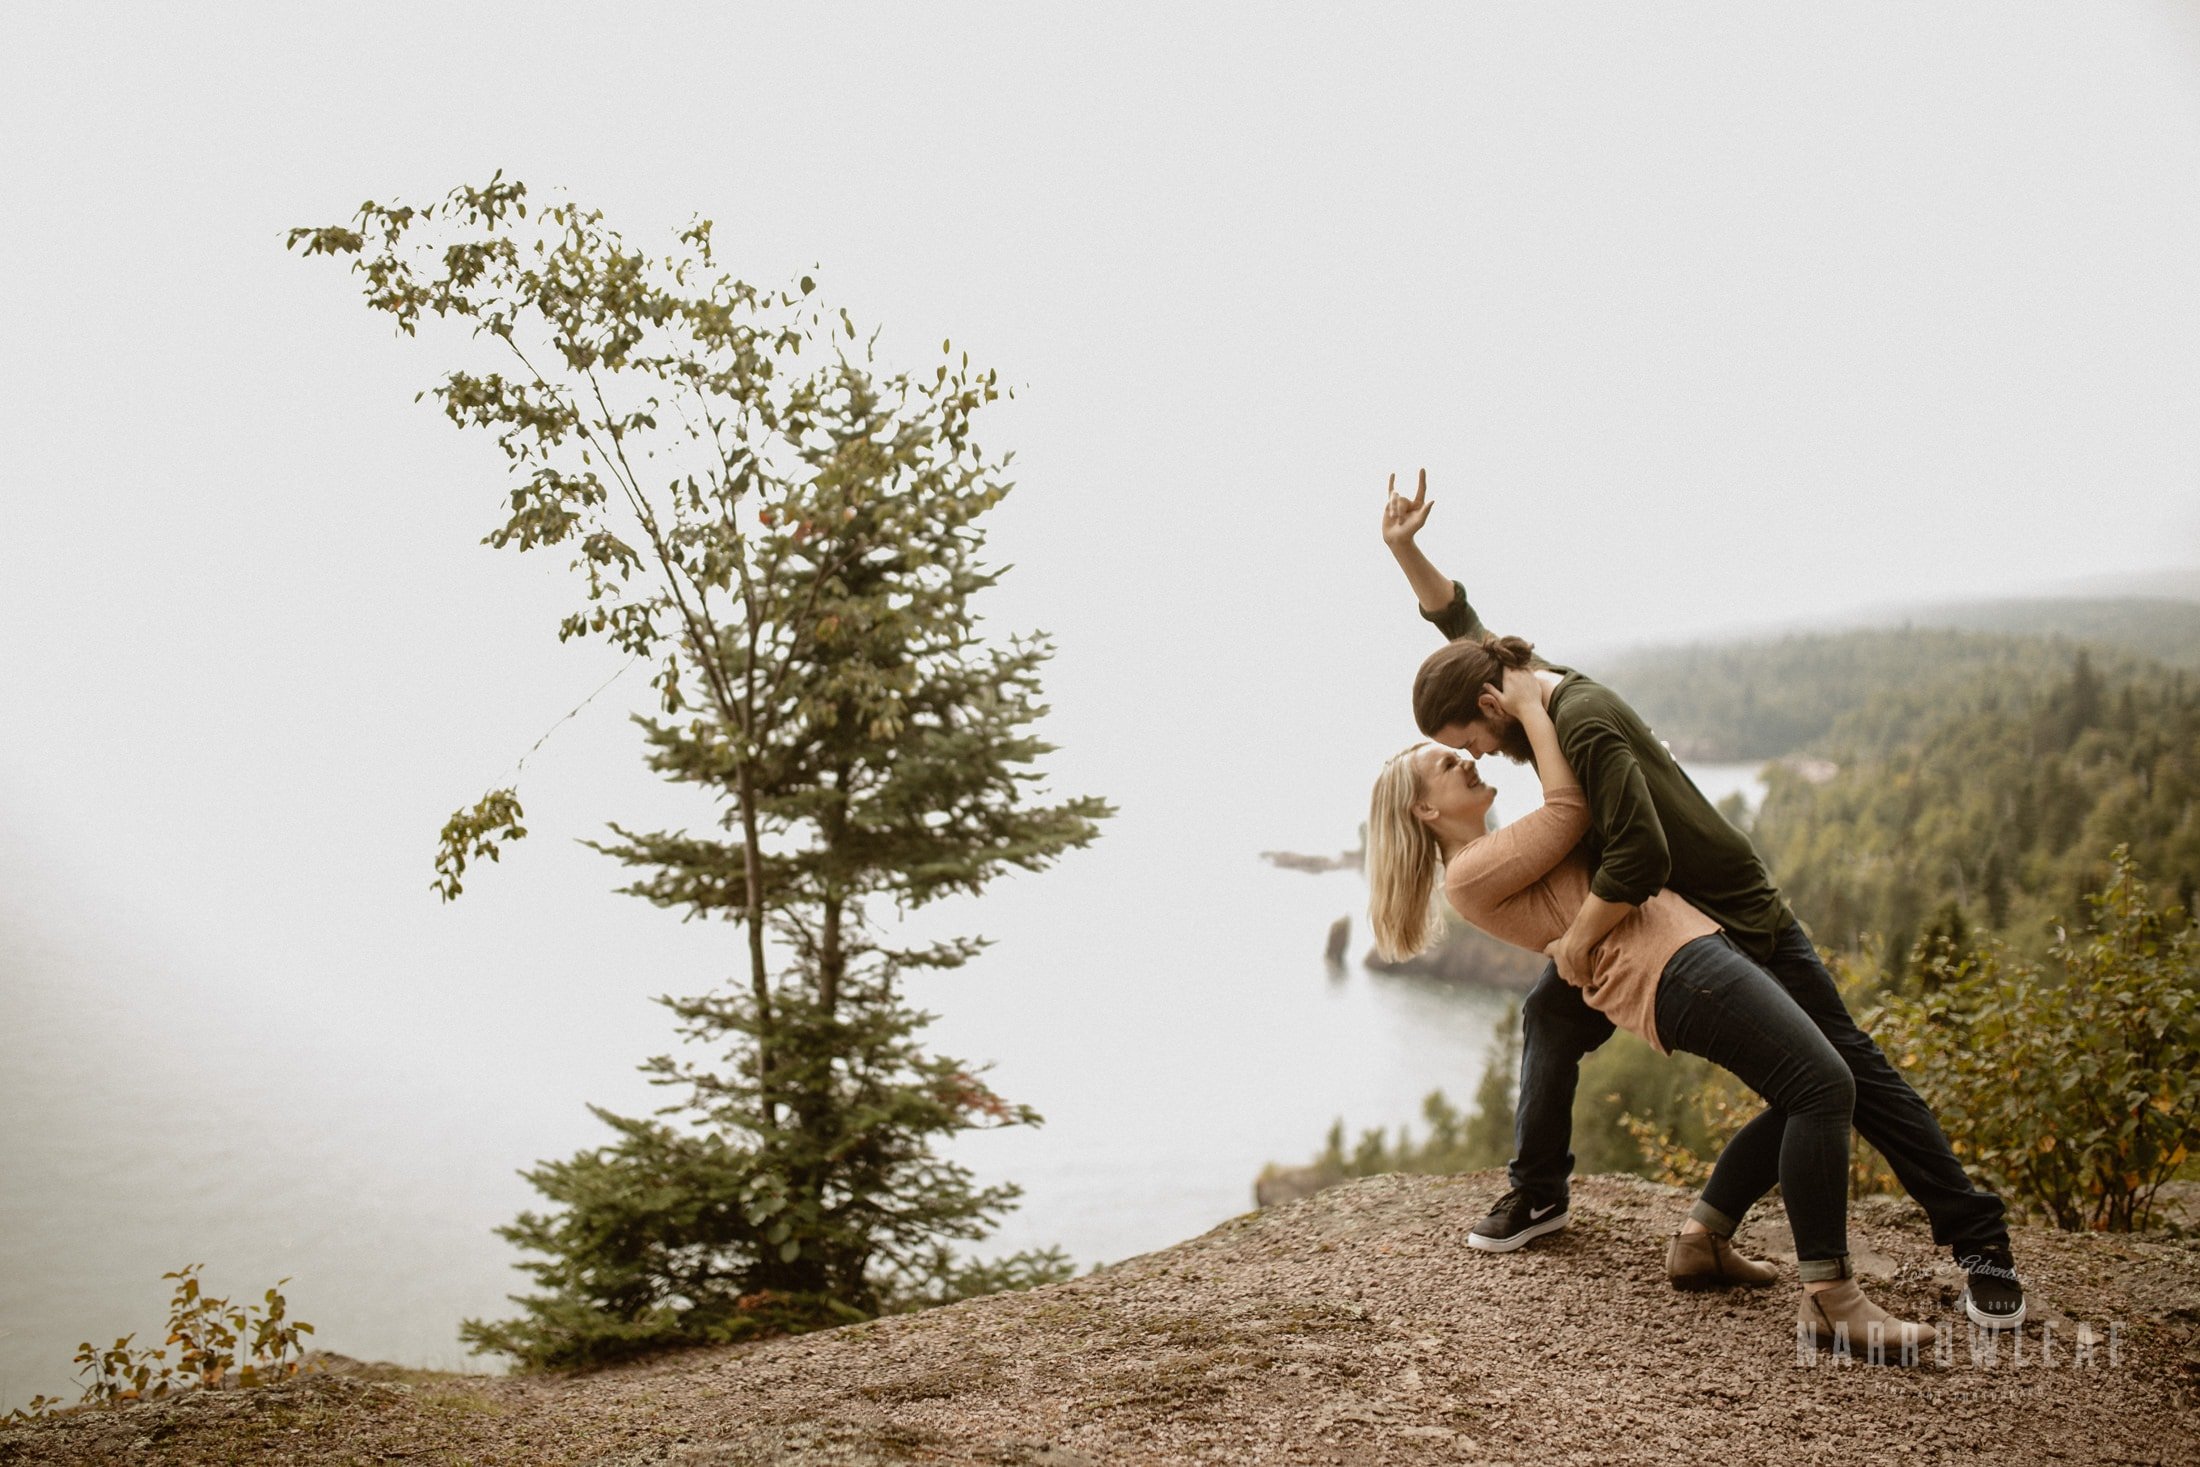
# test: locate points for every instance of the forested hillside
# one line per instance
(1760, 700)
(1979, 778)
(2162, 628)
(1991, 799)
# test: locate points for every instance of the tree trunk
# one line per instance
(759, 975)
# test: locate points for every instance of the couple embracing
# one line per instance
(1660, 918)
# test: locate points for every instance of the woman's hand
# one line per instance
(1403, 517)
(1520, 697)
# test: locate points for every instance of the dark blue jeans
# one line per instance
(1715, 1002)
(1558, 1028)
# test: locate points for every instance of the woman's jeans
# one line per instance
(1715, 1002)
(1558, 1028)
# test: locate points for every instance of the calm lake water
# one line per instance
(306, 1085)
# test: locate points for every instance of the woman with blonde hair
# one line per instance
(1667, 973)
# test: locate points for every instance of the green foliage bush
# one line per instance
(1657, 1116)
(218, 1344)
(2073, 1086)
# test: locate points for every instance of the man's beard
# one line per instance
(1512, 742)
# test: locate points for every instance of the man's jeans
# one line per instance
(1558, 1028)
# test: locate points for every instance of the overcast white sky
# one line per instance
(1699, 315)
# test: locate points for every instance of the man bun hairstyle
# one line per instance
(1450, 683)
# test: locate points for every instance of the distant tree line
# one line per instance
(1989, 804)
(1761, 700)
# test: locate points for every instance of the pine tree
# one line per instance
(794, 550)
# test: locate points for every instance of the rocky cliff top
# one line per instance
(1354, 1327)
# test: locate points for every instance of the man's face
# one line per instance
(1476, 737)
(1490, 733)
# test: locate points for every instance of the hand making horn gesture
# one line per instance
(1402, 517)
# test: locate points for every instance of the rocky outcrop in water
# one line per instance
(1469, 956)
(1293, 861)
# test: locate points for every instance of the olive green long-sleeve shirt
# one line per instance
(1649, 826)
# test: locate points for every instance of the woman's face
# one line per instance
(1450, 787)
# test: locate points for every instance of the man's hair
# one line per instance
(1446, 689)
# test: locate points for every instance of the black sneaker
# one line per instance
(1515, 1220)
(1993, 1299)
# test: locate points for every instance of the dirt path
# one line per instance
(1355, 1327)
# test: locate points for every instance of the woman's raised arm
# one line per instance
(1522, 700)
(1499, 866)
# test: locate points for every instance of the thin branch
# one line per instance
(648, 523)
(568, 717)
(674, 569)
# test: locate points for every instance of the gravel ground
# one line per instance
(1354, 1327)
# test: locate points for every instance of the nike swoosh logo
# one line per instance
(1537, 1214)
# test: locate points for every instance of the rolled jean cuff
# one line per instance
(1712, 1218)
(1815, 1270)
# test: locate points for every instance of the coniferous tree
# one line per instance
(793, 547)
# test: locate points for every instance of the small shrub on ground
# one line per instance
(219, 1345)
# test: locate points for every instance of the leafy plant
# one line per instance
(2072, 1086)
(37, 1407)
(218, 1344)
(1722, 1105)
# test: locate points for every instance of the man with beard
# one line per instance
(1651, 828)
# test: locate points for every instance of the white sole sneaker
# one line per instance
(1520, 1239)
(1984, 1320)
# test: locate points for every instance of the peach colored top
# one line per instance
(1524, 883)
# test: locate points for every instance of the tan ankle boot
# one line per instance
(1872, 1333)
(1708, 1261)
